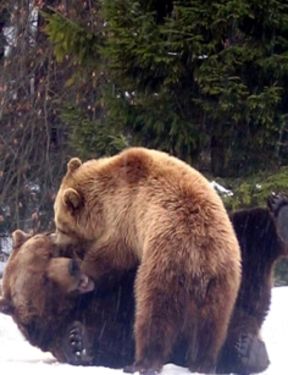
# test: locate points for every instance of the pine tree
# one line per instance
(202, 75)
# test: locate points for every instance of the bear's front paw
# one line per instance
(76, 345)
(252, 354)
(203, 366)
(275, 202)
(278, 206)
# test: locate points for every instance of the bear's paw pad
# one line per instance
(252, 353)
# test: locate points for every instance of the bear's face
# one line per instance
(35, 279)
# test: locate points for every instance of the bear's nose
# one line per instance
(73, 267)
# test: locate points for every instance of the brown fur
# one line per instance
(145, 207)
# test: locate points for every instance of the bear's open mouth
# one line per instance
(85, 284)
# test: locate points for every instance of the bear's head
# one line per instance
(92, 196)
(72, 205)
(39, 286)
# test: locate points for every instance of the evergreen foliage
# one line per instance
(281, 273)
(213, 68)
(91, 138)
(253, 190)
(73, 39)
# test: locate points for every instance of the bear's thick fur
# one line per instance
(145, 207)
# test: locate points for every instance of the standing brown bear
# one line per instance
(145, 207)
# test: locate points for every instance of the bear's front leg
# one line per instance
(107, 260)
(97, 266)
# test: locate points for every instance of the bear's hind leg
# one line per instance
(208, 340)
(159, 316)
(213, 318)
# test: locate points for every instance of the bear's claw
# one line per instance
(75, 347)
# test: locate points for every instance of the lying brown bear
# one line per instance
(35, 277)
(97, 328)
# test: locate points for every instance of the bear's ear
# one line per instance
(5, 306)
(73, 164)
(19, 237)
(72, 199)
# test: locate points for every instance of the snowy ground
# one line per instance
(17, 355)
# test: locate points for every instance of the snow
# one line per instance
(16, 354)
(5, 244)
(2, 266)
(221, 189)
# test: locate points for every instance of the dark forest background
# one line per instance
(204, 80)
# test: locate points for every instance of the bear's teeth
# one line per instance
(86, 284)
